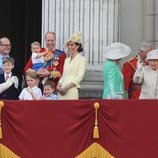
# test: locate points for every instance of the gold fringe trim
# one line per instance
(95, 151)
(96, 129)
(1, 105)
(1, 132)
(6, 153)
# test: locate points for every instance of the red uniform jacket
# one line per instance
(57, 65)
(128, 71)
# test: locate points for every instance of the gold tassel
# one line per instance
(96, 129)
(95, 132)
(1, 105)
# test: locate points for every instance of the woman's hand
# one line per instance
(64, 90)
(58, 88)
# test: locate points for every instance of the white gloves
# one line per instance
(15, 81)
(140, 67)
(5, 85)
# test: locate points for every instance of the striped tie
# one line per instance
(6, 77)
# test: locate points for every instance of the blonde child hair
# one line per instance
(31, 74)
(35, 44)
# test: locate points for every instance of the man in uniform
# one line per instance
(54, 66)
(129, 68)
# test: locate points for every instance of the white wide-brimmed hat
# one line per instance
(153, 54)
(76, 38)
(117, 51)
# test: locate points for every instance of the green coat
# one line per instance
(113, 81)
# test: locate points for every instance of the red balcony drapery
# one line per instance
(57, 129)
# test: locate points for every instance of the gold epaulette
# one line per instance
(48, 55)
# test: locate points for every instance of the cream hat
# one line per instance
(117, 51)
(153, 54)
(76, 38)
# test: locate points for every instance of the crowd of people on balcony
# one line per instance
(50, 75)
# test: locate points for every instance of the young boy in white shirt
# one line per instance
(32, 92)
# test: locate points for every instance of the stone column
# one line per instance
(149, 21)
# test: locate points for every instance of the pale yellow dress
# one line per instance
(74, 71)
